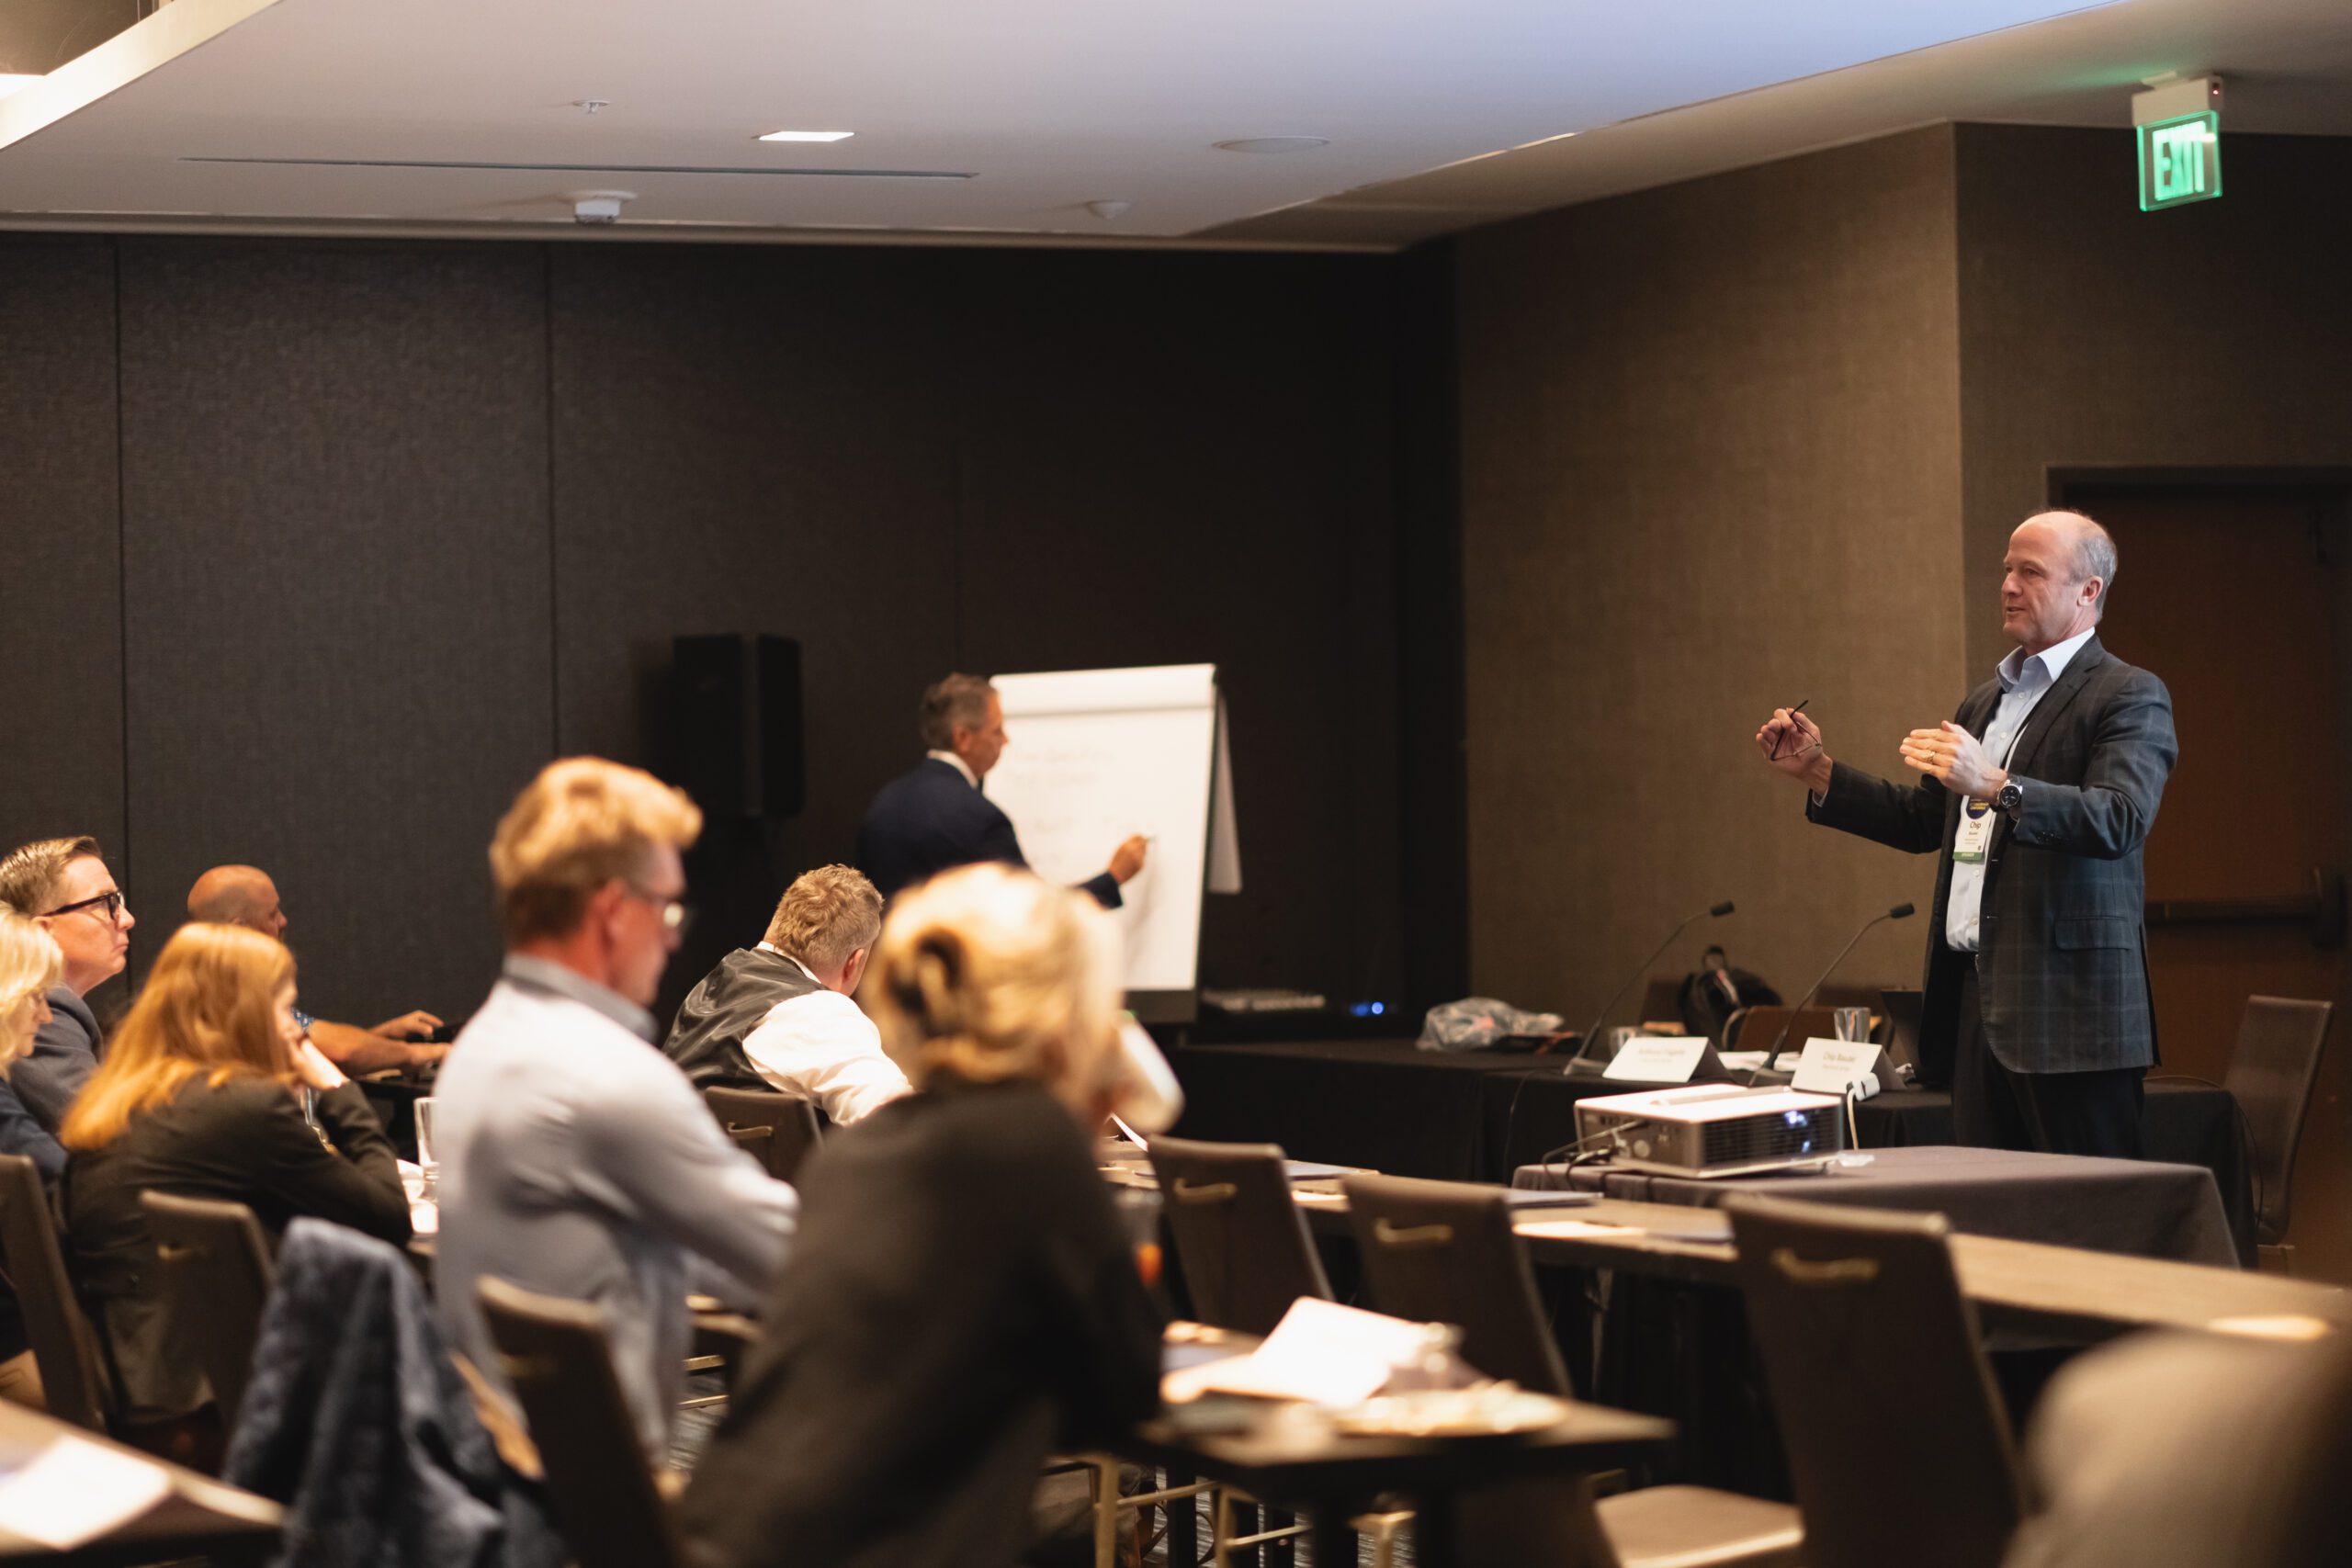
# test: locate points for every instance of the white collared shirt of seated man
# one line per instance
(823, 1048)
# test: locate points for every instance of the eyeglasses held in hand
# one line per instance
(1781, 739)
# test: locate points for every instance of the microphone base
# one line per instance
(1583, 1067)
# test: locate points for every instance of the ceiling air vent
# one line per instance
(596, 168)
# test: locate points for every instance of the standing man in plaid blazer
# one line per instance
(2038, 794)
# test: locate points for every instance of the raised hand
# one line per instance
(1789, 743)
(1954, 759)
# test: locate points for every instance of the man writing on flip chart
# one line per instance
(937, 816)
(2038, 796)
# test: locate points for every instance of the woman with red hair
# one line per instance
(200, 1095)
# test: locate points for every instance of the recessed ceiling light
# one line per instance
(808, 136)
(9, 84)
(1273, 144)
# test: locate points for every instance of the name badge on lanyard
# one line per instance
(1976, 834)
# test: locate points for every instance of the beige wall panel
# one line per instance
(2218, 334)
(1711, 462)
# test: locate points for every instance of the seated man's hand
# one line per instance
(413, 1025)
(423, 1053)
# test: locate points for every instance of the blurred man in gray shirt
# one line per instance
(575, 1159)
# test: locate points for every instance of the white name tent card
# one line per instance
(1672, 1060)
(1828, 1066)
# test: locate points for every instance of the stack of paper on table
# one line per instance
(1321, 1352)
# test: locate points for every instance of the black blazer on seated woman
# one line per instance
(243, 1140)
(961, 1300)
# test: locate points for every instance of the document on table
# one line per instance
(1571, 1229)
(1321, 1353)
(74, 1491)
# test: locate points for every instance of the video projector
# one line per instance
(1704, 1130)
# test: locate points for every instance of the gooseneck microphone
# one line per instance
(1900, 912)
(1577, 1063)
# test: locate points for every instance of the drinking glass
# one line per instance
(425, 1156)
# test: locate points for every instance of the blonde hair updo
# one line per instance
(986, 973)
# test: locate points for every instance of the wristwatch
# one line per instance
(2011, 800)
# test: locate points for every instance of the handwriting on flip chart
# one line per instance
(1095, 756)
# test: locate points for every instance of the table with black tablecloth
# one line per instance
(1478, 1116)
(2139, 1207)
(1376, 1103)
(1671, 1349)
(2183, 1123)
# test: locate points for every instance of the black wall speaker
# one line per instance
(738, 711)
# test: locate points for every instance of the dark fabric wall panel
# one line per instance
(61, 640)
(335, 591)
(752, 441)
(400, 521)
(1183, 459)
(916, 460)
(1429, 641)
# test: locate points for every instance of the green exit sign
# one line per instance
(2180, 161)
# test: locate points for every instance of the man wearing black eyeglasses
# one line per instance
(64, 886)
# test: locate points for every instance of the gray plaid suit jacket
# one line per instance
(2062, 970)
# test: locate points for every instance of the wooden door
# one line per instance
(2238, 599)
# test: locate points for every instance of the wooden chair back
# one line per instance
(64, 1344)
(2271, 1072)
(780, 1130)
(557, 1360)
(1896, 1437)
(217, 1277)
(1240, 1241)
(1445, 1252)
(1754, 1028)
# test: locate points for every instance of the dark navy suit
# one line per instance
(924, 821)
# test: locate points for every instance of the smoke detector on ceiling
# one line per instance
(1273, 144)
(598, 207)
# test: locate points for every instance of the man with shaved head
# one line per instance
(2037, 796)
(244, 895)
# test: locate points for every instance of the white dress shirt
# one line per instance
(822, 1048)
(957, 763)
(2025, 679)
